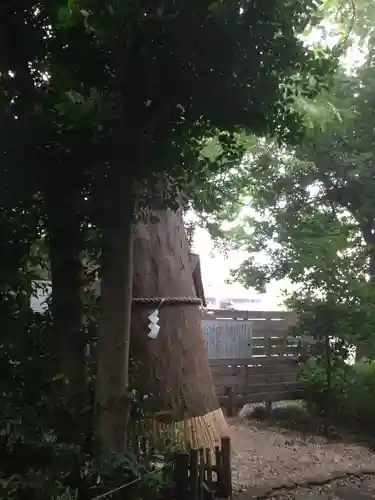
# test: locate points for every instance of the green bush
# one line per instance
(349, 398)
(45, 445)
(53, 472)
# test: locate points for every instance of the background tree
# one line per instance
(312, 214)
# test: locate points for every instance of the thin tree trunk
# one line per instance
(64, 239)
(372, 262)
(113, 399)
(363, 350)
(173, 368)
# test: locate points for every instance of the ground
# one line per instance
(273, 463)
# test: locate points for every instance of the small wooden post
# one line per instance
(207, 493)
(208, 467)
(268, 404)
(194, 474)
(144, 447)
(201, 472)
(181, 476)
(135, 445)
(268, 408)
(232, 406)
(226, 475)
(218, 465)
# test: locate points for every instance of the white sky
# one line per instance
(216, 269)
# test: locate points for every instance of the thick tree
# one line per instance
(143, 84)
(180, 97)
(33, 151)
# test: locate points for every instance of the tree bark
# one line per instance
(172, 369)
(64, 240)
(363, 349)
(112, 396)
(372, 262)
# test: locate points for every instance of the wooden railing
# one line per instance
(198, 474)
(253, 356)
(198, 477)
(239, 382)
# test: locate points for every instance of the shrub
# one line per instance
(49, 471)
(346, 393)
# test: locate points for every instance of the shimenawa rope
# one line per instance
(166, 301)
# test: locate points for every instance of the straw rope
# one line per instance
(166, 301)
(200, 432)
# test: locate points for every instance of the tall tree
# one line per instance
(143, 84)
(313, 210)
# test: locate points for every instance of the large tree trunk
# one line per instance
(64, 239)
(112, 397)
(173, 368)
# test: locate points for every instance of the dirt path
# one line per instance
(267, 458)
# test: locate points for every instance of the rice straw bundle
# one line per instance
(196, 432)
(173, 367)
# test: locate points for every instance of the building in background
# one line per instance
(235, 297)
(215, 270)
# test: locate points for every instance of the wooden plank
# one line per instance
(241, 387)
(241, 390)
(227, 370)
(277, 350)
(274, 341)
(254, 379)
(273, 368)
(225, 487)
(218, 371)
(223, 313)
(230, 377)
(271, 378)
(267, 360)
(227, 339)
(261, 328)
(207, 454)
(239, 383)
(269, 327)
(229, 381)
(270, 388)
(181, 476)
(260, 398)
(194, 474)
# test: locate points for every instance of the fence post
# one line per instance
(232, 405)
(194, 474)
(268, 403)
(202, 475)
(207, 453)
(181, 475)
(268, 408)
(218, 465)
(226, 475)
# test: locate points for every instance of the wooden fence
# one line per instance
(253, 356)
(198, 474)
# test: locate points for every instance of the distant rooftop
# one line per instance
(238, 297)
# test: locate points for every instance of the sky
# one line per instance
(216, 270)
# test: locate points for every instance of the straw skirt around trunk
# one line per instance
(172, 370)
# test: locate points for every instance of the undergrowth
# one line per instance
(343, 404)
(349, 400)
(46, 442)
